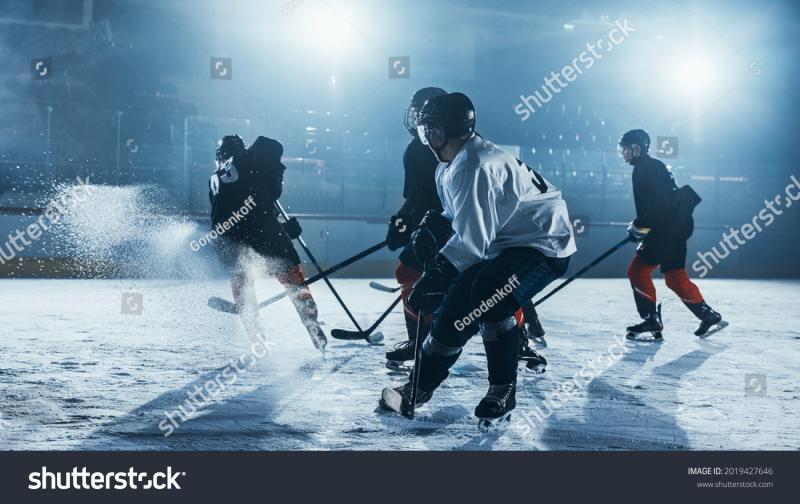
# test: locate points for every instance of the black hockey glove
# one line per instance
(429, 291)
(292, 228)
(433, 232)
(399, 232)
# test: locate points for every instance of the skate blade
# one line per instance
(398, 366)
(494, 424)
(539, 342)
(715, 329)
(537, 369)
(645, 337)
(391, 400)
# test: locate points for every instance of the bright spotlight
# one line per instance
(695, 75)
(329, 32)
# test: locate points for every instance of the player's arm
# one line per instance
(656, 191)
(475, 217)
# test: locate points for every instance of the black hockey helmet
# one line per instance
(636, 137)
(229, 146)
(418, 99)
(454, 113)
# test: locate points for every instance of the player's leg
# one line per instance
(441, 348)
(402, 352)
(504, 285)
(533, 327)
(291, 277)
(640, 273)
(233, 257)
(678, 281)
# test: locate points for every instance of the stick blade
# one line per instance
(373, 338)
(342, 334)
(223, 305)
(383, 288)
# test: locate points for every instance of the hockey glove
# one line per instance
(433, 233)
(429, 291)
(636, 233)
(292, 228)
(399, 233)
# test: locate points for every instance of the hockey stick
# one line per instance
(583, 270)
(313, 260)
(415, 372)
(226, 306)
(383, 288)
(368, 334)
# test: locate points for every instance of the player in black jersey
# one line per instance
(243, 190)
(419, 191)
(663, 225)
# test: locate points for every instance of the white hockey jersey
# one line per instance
(497, 202)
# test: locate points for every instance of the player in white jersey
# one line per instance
(503, 236)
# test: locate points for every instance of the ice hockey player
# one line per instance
(243, 190)
(419, 191)
(663, 225)
(503, 236)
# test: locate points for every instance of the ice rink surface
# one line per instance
(77, 374)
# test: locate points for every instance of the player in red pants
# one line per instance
(663, 225)
(419, 191)
(242, 191)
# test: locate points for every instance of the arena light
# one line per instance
(329, 31)
(695, 75)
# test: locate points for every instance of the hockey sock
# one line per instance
(700, 310)
(435, 363)
(532, 319)
(302, 299)
(406, 277)
(501, 341)
(644, 291)
(679, 282)
(244, 294)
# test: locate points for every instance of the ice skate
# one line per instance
(494, 410)
(398, 399)
(397, 359)
(539, 342)
(318, 338)
(651, 325)
(710, 322)
(534, 361)
(535, 333)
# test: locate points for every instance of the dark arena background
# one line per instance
(110, 116)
